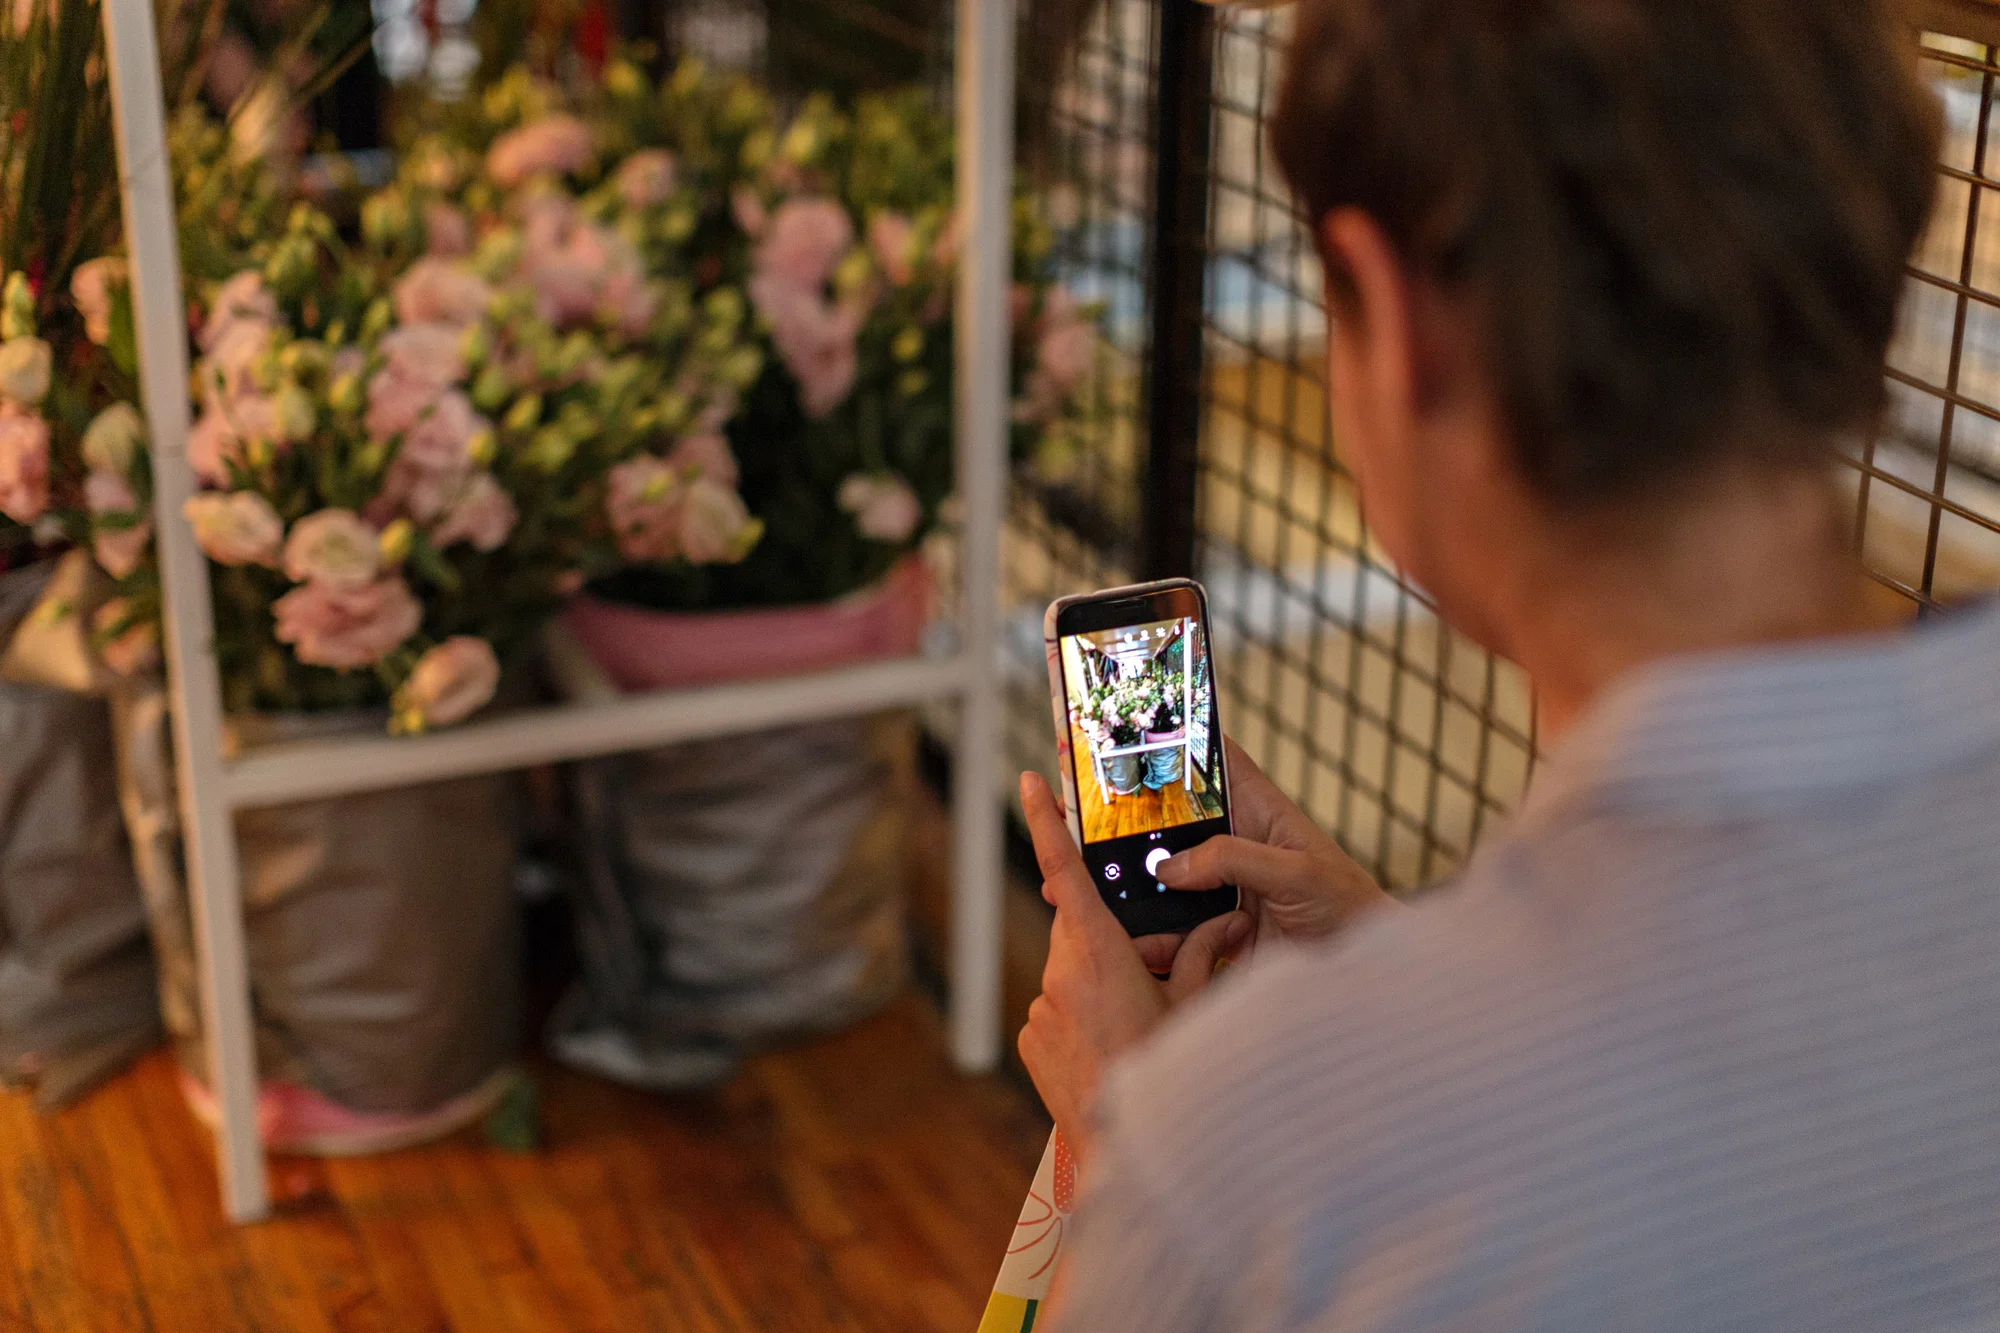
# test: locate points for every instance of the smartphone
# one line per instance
(1140, 744)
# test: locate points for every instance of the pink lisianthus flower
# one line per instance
(889, 239)
(447, 231)
(814, 338)
(134, 649)
(749, 211)
(243, 299)
(555, 145)
(24, 465)
(715, 528)
(805, 240)
(333, 549)
(885, 509)
(346, 628)
(120, 550)
(236, 527)
(643, 499)
(442, 292)
(483, 514)
(450, 683)
(424, 354)
(646, 178)
(90, 286)
(230, 366)
(704, 457)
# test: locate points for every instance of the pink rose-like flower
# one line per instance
(120, 550)
(889, 236)
(212, 446)
(483, 515)
(424, 354)
(815, 340)
(806, 239)
(643, 500)
(243, 299)
(442, 292)
(646, 178)
(749, 212)
(346, 628)
(334, 549)
(91, 288)
(24, 466)
(451, 682)
(442, 436)
(885, 509)
(704, 457)
(447, 231)
(395, 404)
(236, 527)
(231, 367)
(555, 145)
(713, 524)
(136, 648)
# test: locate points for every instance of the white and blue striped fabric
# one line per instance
(1707, 1039)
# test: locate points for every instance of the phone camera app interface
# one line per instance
(1146, 750)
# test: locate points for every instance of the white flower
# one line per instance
(885, 509)
(335, 548)
(90, 287)
(24, 371)
(113, 438)
(236, 527)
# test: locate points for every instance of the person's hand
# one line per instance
(1098, 998)
(1296, 882)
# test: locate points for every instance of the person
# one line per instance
(1708, 1035)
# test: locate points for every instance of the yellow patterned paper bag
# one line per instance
(1030, 1265)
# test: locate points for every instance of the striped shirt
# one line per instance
(1708, 1038)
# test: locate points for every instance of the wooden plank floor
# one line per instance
(1143, 810)
(854, 1185)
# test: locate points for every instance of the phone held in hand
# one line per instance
(1139, 743)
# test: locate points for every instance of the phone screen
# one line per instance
(1145, 745)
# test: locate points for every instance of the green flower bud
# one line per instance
(345, 395)
(677, 225)
(294, 412)
(301, 358)
(17, 307)
(576, 349)
(482, 447)
(907, 345)
(525, 412)
(385, 218)
(742, 367)
(490, 390)
(688, 76)
(376, 322)
(801, 141)
(370, 459)
(673, 408)
(623, 79)
(394, 543)
(757, 149)
(475, 344)
(724, 306)
(550, 449)
(912, 383)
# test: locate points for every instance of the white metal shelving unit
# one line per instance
(213, 788)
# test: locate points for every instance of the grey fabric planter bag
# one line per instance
(77, 990)
(738, 891)
(382, 927)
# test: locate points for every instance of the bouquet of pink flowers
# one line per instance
(412, 451)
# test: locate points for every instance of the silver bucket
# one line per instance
(739, 891)
(381, 926)
(77, 988)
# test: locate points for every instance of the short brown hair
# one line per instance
(1679, 217)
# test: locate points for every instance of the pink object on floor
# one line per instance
(292, 1119)
(651, 650)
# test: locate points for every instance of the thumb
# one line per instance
(1066, 882)
(1205, 946)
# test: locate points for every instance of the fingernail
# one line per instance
(1236, 932)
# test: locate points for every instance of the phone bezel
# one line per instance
(1113, 608)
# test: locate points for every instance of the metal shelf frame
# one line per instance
(212, 787)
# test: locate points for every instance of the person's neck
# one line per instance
(1761, 560)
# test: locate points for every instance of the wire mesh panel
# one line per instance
(1393, 732)
(1927, 484)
